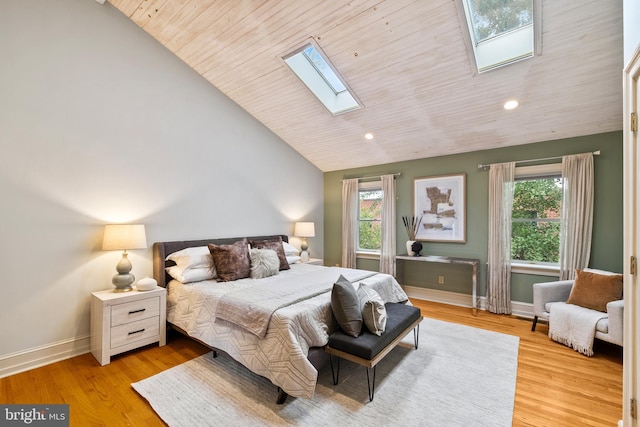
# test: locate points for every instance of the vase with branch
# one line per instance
(412, 226)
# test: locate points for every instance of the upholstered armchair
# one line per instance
(609, 328)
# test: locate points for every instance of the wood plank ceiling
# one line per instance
(406, 61)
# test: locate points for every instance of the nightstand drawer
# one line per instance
(135, 331)
(133, 311)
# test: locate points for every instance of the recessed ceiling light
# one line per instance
(510, 105)
(368, 135)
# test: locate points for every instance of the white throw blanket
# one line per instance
(574, 326)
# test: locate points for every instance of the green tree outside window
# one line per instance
(370, 220)
(535, 234)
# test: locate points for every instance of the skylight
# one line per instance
(501, 31)
(317, 73)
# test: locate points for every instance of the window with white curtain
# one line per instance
(536, 217)
(370, 197)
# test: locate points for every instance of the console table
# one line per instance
(474, 263)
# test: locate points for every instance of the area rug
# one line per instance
(459, 376)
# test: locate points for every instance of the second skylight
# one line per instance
(502, 32)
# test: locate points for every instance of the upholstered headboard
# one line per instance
(162, 249)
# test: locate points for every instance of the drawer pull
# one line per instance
(137, 311)
(137, 332)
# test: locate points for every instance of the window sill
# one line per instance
(535, 269)
(367, 255)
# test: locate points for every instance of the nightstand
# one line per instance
(314, 261)
(123, 321)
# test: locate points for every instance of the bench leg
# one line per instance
(535, 322)
(371, 385)
(335, 375)
(416, 335)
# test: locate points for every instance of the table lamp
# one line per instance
(123, 237)
(304, 230)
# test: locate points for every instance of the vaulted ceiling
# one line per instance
(407, 62)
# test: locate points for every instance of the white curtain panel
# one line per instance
(501, 187)
(577, 213)
(388, 246)
(349, 221)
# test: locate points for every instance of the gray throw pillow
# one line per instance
(264, 263)
(374, 314)
(346, 307)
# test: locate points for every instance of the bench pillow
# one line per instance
(374, 314)
(345, 306)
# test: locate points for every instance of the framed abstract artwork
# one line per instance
(439, 202)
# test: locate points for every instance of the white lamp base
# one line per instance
(304, 254)
(124, 289)
(123, 280)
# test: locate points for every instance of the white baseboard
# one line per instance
(435, 295)
(520, 309)
(15, 363)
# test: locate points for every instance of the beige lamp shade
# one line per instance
(304, 229)
(123, 237)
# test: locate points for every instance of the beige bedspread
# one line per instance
(281, 355)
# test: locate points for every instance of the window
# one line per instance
(370, 198)
(316, 72)
(536, 215)
(501, 32)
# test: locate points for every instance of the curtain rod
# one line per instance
(485, 167)
(373, 176)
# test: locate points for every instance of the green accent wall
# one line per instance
(607, 242)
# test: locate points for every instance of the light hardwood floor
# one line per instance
(556, 386)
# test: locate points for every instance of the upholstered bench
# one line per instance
(367, 349)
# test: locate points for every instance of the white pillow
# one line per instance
(264, 263)
(374, 313)
(290, 249)
(195, 257)
(292, 259)
(191, 274)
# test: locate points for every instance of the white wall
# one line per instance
(631, 23)
(99, 124)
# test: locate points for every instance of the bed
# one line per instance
(287, 349)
